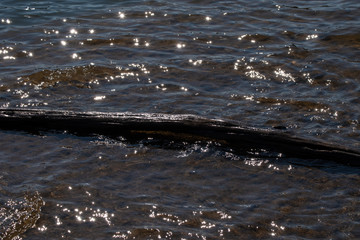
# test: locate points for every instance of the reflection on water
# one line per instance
(269, 64)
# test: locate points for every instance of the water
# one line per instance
(265, 64)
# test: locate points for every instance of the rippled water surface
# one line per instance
(293, 65)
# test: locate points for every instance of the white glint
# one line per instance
(7, 21)
(180, 45)
(99, 98)
(311, 36)
(73, 31)
(121, 15)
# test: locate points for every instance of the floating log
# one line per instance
(174, 127)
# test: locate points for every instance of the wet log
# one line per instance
(136, 126)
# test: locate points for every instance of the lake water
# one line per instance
(289, 65)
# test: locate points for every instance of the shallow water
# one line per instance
(265, 64)
(103, 188)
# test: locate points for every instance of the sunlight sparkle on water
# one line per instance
(180, 45)
(7, 21)
(99, 98)
(149, 14)
(9, 58)
(242, 37)
(75, 56)
(121, 15)
(43, 228)
(73, 31)
(195, 62)
(284, 75)
(275, 228)
(311, 36)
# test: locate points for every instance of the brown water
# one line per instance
(265, 64)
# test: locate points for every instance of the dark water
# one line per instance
(294, 64)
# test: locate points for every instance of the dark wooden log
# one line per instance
(135, 126)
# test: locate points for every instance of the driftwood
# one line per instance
(135, 126)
